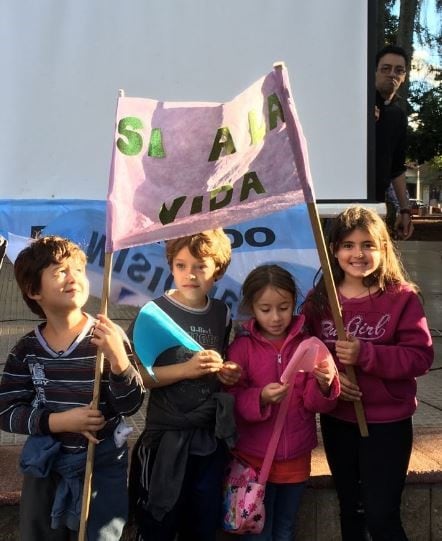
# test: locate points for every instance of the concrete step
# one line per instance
(319, 515)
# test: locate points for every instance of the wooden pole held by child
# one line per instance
(95, 404)
(334, 305)
(87, 486)
(302, 167)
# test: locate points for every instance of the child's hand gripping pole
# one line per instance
(342, 335)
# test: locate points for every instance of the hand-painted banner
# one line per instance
(141, 273)
(181, 168)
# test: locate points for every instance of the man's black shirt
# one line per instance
(391, 134)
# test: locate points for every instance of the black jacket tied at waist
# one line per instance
(175, 435)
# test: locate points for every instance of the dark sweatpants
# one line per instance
(196, 515)
(369, 475)
(36, 502)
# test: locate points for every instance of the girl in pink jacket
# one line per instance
(263, 348)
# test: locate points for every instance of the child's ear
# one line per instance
(217, 274)
(33, 296)
(331, 248)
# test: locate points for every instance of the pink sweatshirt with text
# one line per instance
(396, 347)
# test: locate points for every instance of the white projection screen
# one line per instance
(62, 64)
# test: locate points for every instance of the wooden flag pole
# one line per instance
(87, 486)
(334, 305)
(320, 244)
(95, 403)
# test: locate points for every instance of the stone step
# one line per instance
(318, 516)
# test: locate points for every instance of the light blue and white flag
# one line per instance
(141, 273)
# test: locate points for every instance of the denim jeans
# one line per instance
(108, 505)
(369, 475)
(281, 505)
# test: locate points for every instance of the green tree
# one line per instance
(387, 23)
(425, 129)
(405, 30)
(423, 99)
(408, 15)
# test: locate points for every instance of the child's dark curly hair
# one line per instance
(36, 257)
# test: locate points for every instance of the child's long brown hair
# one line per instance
(390, 270)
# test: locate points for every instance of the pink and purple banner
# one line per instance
(180, 168)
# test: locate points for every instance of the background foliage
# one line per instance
(407, 23)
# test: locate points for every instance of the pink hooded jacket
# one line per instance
(261, 364)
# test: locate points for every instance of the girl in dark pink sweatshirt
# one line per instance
(389, 345)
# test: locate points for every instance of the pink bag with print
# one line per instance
(243, 499)
(244, 487)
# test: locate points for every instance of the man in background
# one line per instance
(391, 133)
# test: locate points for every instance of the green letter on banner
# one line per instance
(167, 216)
(222, 139)
(134, 142)
(156, 149)
(275, 111)
(197, 204)
(214, 204)
(250, 181)
(257, 133)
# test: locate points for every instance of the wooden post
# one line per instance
(302, 169)
(87, 486)
(334, 305)
(95, 403)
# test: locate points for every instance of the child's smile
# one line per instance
(358, 254)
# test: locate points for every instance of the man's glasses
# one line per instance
(388, 68)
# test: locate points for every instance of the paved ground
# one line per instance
(423, 262)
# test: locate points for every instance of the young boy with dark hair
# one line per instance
(46, 390)
(178, 461)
